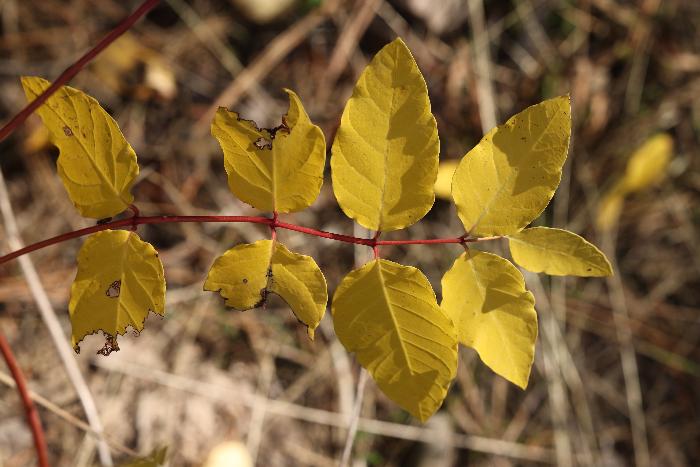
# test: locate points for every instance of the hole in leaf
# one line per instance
(114, 289)
(263, 143)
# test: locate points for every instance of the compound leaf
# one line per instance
(119, 280)
(485, 296)
(388, 315)
(385, 154)
(245, 274)
(507, 180)
(97, 165)
(278, 169)
(557, 252)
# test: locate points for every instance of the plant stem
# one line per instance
(273, 223)
(29, 409)
(75, 68)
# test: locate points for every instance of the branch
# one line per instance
(138, 220)
(29, 409)
(75, 68)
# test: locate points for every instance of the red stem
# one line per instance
(73, 70)
(375, 247)
(138, 220)
(29, 409)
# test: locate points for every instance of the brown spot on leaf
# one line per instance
(110, 346)
(67, 131)
(263, 143)
(263, 298)
(114, 289)
(245, 281)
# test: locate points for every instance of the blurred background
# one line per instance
(617, 370)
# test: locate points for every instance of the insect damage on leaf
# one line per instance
(110, 346)
(246, 274)
(272, 169)
(113, 290)
(119, 282)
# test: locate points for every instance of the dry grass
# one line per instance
(205, 374)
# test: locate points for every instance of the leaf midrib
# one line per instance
(404, 351)
(512, 173)
(386, 151)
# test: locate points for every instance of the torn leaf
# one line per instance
(119, 281)
(246, 274)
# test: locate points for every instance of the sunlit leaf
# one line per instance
(557, 252)
(96, 164)
(443, 184)
(119, 281)
(388, 315)
(485, 296)
(507, 180)
(278, 169)
(245, 274)
(385, 154)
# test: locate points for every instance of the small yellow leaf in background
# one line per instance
(385, 154)
(646, 167)
(245, 274)
(507, 180)
(113, 66)
(609, 209)
(119, 281)
(443, 184)
(279, 169)
(387, 313)
(648, 163)
(229, 454)
(155, 459)
(97, 165)
(557, 252)
(485, 296)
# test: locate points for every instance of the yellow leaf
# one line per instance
(646, 166)
(119, 280)
(485, 296)
(610, 208)
(648, 163)
(507, 180)
(96, 164)
(385, 154)
(155, 459)
(279, 169)
(443, 184)
(557, 252)
(388, 315)
(245, 274)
